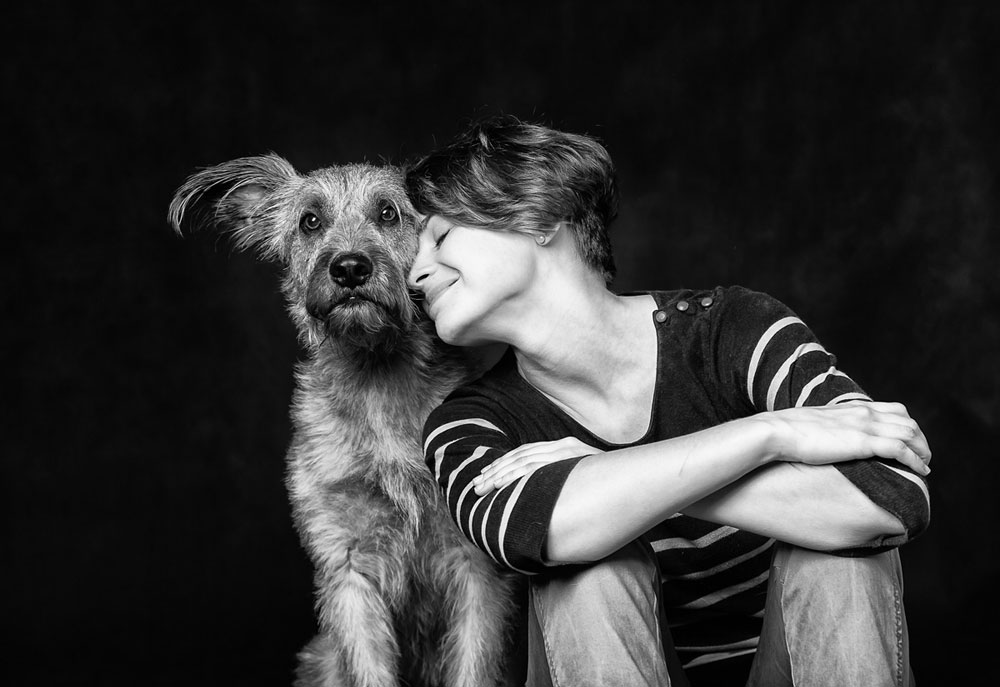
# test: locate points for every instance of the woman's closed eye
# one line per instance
(440, 239)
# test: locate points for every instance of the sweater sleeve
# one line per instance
(461, 437)
(780, 364)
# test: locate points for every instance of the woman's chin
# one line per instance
(458, 336)
(465, 330)
(448, 334)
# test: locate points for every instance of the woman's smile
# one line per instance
(492, 269)
(433, 292)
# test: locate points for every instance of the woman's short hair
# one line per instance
(506, 174)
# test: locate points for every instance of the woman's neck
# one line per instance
(587, 349)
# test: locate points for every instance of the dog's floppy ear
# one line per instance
(242, 197)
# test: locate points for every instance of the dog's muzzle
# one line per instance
(354, 295)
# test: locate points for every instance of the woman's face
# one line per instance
(472, 280)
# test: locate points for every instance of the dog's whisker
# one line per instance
(326, 337)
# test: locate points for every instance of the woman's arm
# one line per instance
(611, 498)
(812, 506)
(777, 363)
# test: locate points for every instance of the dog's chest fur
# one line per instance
(359, 428)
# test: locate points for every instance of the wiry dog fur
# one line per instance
(401, 597)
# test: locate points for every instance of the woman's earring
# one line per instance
(541, 239)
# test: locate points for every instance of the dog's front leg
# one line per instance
(354, 615)
(482, 606)
(321, 664)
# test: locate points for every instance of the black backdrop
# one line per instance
(842, 156)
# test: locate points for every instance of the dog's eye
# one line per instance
(309, 223)
(388, 214)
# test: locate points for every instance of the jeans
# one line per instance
(828, 620)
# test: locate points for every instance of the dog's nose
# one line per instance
(351, 269)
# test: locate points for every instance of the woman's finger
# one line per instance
(907, 429)
(914, 438)
(877, 415)
(896, 413)
(499, 480)
(515, 454)
(512, 458)
(539, 457)
(524, 467)
(499, 467)
(897, 450)
(500, 463)
(522, 462)
(560, 449)
(883, 406)
(511, 476)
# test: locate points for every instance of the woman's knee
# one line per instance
(835, 618)
(626, 582)
(598, 624)
(840, 578)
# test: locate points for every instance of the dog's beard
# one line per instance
(374, 317)
(364, 324)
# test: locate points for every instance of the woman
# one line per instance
(666, 466)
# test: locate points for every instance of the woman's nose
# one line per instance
(419, 271)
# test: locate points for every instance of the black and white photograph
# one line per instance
(469, 344)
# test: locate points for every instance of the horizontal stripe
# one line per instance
(732, 562)
(722, 594)
(748, 643)
(782, 373)
(439, 453)
(508, 509)
(910, 476)
(683, 527)
(850, 396)
(472, 527)
(458, 510)
(475, 421)
(439, 459)
(486, 519)
(762, 343)
(714, 658)
(700, 543)
(815, 382)
(476, 455)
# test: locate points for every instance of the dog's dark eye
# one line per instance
(309, 223)
(388, 214)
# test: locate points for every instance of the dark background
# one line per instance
(841, 156)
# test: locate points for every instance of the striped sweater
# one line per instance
(723, 354)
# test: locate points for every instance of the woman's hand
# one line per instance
(818, 435)
(525, 459)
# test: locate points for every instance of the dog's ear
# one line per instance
(242, 197)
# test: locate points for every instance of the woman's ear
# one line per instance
(544, 236)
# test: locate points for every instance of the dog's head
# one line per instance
(346, 237)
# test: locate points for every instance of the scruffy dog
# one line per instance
(402, 598)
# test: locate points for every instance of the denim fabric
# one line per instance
(829, 620)
(600, 624)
